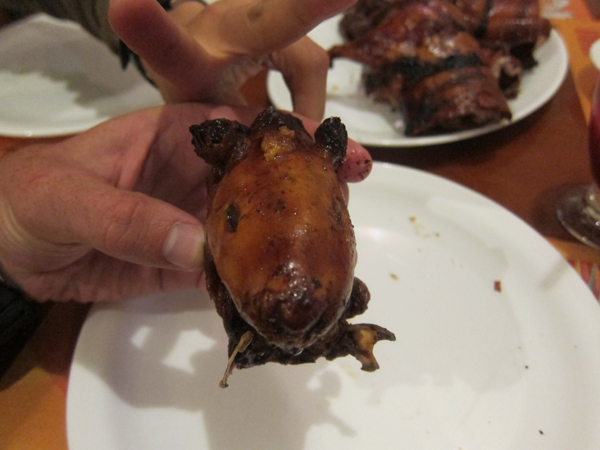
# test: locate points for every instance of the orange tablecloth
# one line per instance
(33, 390)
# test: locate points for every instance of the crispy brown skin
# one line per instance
(423, 61)
(286, 210)
(280, 248)
(448, 65)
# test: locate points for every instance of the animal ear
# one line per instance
(274, 119)
(333, 137)
(219, 141)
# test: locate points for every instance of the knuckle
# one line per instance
(312, 57)
(320, 59)
(123, 225)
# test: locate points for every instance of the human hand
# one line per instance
(116, 212)
(206, 53)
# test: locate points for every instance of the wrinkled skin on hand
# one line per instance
(280, 248)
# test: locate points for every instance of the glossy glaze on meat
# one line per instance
(448, 65)
(280, 249)
(406, 32)
(515, 22)
(424, 62)
(512, 22)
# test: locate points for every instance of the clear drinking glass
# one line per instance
(579, 210)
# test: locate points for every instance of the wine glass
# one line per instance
(579, 210)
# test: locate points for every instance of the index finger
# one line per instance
(263, 26)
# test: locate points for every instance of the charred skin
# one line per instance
(447, 65)
(280, 248)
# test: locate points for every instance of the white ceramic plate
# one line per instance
(472, 367)
(595, 53)
(56, 79)
(372, 123)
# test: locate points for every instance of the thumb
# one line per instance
(136, 228)
(56, 230)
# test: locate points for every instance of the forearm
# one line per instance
(90, 14)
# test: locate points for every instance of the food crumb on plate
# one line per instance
(421, 229)
(498, 286)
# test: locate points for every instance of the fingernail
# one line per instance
(184, 246)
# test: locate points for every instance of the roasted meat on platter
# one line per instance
(446, 65)
(280, 248)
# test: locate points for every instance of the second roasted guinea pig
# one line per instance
(280, 248)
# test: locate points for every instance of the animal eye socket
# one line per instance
(231, 218)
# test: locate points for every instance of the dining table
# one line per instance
(523, 167)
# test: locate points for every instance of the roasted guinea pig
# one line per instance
(280, 248)
(424, 62)
(447, 65)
